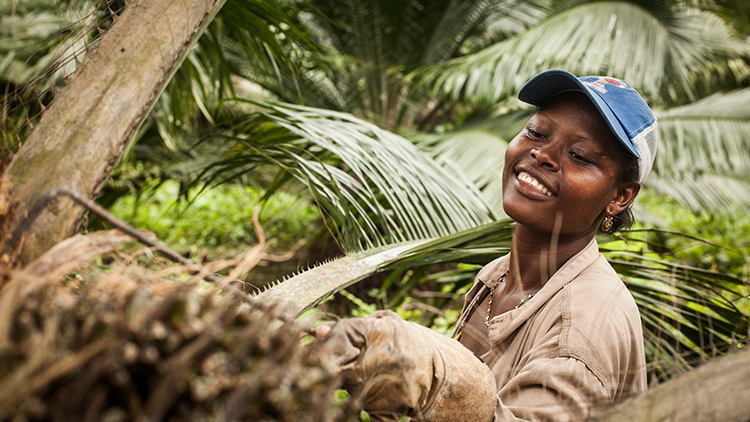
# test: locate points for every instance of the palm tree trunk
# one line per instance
(81, 136)
(716, 391)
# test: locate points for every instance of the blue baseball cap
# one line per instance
(624, 110)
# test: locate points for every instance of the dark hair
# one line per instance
(625, 219)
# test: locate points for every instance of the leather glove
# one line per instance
(399, 368)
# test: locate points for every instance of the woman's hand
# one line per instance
(398, 368)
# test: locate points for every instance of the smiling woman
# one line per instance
(558, 333)
(567, 153)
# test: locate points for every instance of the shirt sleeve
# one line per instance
(552, 389)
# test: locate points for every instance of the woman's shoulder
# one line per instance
(597, 286)
(595, 297)
(601, 323)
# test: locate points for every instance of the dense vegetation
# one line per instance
(361, 126)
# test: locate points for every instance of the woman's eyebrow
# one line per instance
(543, 114)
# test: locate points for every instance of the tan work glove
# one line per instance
(399, 368)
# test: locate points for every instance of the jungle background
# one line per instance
(369, 134)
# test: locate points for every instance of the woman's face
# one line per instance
(566, 162)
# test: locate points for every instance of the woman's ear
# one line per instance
(625, 196)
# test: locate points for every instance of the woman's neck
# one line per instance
(535, 257)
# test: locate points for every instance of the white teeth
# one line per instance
(525, 177)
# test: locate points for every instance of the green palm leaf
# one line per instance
(464, 23)
(390, 193)
(478, 149)
(302, 292)
(479, 153)
(41, 45)
(43, 39)
(689, 314)
(704, 152)
(479, 244)
(703, 160)
(660, 52)
(709, 136)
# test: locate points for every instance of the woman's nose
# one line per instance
(545, 157)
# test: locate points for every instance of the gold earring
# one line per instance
(607, 224)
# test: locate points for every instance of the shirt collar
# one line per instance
(503, 325)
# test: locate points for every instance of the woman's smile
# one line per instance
(527, 179)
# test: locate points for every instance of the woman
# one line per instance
(557, 331)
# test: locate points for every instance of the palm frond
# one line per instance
(45, 39)
(305, 290)
(479, 153)
(257, 35)
(511, 18)
(264, 32)
(704, 192)
(703, 160)
(301, 292)
(41, 45)
(660, 55)
(464, 22)
(478, 245)
(478, 149)
(328, 84)
(369, 46)
(689, 314)
(704, 152)
(390, 192)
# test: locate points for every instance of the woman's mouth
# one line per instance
(527, 178)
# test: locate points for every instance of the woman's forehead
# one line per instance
(575, 106)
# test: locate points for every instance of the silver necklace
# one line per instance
(492, 292)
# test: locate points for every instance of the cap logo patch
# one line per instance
(601, 84)
(616, 82)
(597, 85)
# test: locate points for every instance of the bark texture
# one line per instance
(716, 391)
(82, 135)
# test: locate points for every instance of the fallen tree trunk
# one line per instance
(716, 391)
(81, 136)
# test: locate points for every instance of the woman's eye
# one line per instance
(534, 134)
(578, 157)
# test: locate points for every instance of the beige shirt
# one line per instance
(572, 349)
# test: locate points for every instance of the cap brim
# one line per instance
(547, 84)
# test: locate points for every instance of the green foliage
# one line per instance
(374, 186)
(429, 299)
(361, 53)
(712, 241)
(217, 221)
(663, 48)
(426, 282)
(704, 152)
(690, 314)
